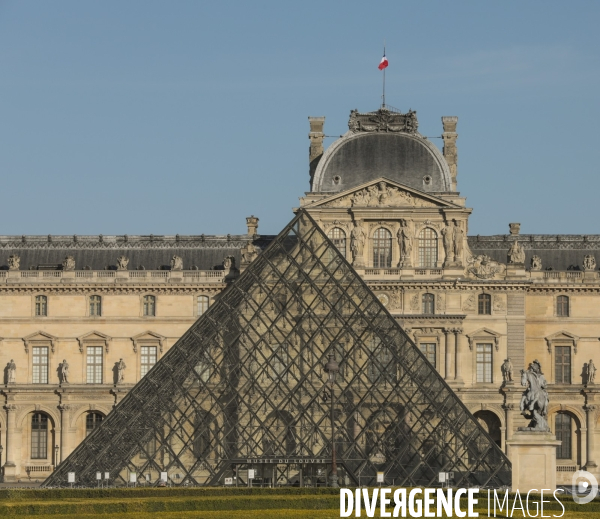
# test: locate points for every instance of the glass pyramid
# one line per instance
(246, 388)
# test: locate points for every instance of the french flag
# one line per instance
(384, 63)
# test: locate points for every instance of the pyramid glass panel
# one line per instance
(246, 387)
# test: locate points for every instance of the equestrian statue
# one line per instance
(534, 403)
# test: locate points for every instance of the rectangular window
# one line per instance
(484, 363)
(202, 304)
(94, 364)
(563, 364)
(428, 350)
(40, 364)
(148, 358)
(563, 434)
(41, 306)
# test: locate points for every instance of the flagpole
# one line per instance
(383, 96)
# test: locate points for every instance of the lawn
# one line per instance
(208, 503)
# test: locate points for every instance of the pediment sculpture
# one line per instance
(380, 195)
(383, 120)
(484, 267)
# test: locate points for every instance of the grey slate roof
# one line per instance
(557, 251)
(101, 252)
(396, 156)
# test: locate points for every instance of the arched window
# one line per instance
(382, 248)
(428, 249)
(428, 304)
(562, 306)
(39, 436)
(563, 431)
(41, 305)
(485, 304)
(149, 306)
(92, 420)
(95, 305)
(338, 237)
(202, 302)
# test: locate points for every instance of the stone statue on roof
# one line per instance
(516, 254)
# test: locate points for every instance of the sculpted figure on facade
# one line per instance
(357, 243)
(516, 254)
(589, 262)
(484, 267)
(498, 303)
(14, 262)
(534, 403)
(249, 252)
(536, 263)
(68, 263)
(458, 242)
(507, 371)
(121, 371)
(396, 300)
(380, 195)
(176, 263)
(11, 369)
(229, 262)
(591, 372)
(448, 235)
(405, 237)
(122, 262)
(63, 372)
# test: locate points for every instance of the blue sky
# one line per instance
(186, 117)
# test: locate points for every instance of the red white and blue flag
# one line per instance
(384, 62)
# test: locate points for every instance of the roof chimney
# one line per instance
(316, 137)
(252, 223)
(450, 152)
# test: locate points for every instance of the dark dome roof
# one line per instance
(359, 157)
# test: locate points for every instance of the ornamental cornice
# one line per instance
(565, 288)
(111, 290)
(57, 243)
(501, 286)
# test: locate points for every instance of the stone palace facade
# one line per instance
(83, 318)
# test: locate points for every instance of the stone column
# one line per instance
(509, 410)
(10, 468)
(64, 431)
(591, 427)
(449, 338)
(457, 361)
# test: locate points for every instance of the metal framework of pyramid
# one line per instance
(245, 388)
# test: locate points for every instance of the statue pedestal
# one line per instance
(516, 270)
(454, 271)
(533, 458)
(9, 473)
